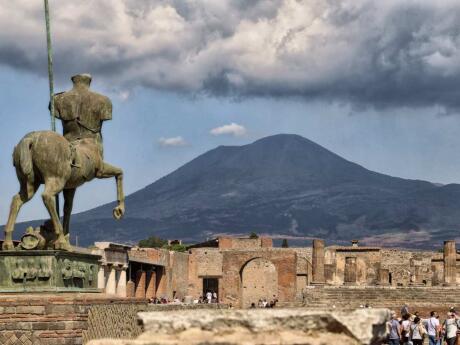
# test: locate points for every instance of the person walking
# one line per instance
(394, 330)
(433, 328)
(417, 331)
(450, 328)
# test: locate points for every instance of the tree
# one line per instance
(253, 235)
(153, 242)
(285, 244)
(176, 247)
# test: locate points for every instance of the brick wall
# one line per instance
(203, 262)
(67, 319)
(284, 260)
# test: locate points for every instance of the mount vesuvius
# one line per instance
(283, 185)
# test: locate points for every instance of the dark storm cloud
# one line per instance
(390, 53)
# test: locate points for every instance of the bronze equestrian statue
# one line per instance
(63, 163)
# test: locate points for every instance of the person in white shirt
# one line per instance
(405, 328)
(417, 331)
(433, 327)
(209, 296)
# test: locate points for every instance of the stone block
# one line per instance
(30, 309)
(48, 271)
(257, 327)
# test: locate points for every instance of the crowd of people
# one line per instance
(208, 297)
(412, 329)
(263, 303)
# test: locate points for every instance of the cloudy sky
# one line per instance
(375, 81)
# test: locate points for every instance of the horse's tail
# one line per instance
(22, 156)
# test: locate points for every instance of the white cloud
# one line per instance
(367, 52)
(124, 95)
(172, 142)
(232, 129)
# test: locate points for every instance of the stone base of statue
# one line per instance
(48, 271)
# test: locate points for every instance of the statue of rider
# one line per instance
(82, 113)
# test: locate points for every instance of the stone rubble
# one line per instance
(259, 327)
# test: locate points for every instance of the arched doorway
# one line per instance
(259, 280)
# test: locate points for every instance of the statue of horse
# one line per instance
(45, 157)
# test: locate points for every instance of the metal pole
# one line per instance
(50, 77)
(50, 64)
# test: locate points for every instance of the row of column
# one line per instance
(145, 285)
(116, 279)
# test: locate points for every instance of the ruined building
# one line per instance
(243, 270)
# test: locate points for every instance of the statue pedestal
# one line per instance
(48, 271)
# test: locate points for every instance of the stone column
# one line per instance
(140, 284)
(151, 284)
(318, 262)
(101, 277)
(450, 263)
(121, 286)
(130, 289)
(111, 287)
(162, 283)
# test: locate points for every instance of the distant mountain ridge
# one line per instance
(282, 185)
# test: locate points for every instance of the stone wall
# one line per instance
(409, 267)
(244, 243)
(117, 320)
(234, 261)
(203, 262)
(67, 319)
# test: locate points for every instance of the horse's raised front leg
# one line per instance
(52, 187)
(68, 205)
(25, 194)
(111, 171)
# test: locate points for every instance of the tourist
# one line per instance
(404, 310)
(405, 328)
(209, 296)
(253, 305)
(260, 304)
(394, 330)
(417, 331)
(214, 297)
(440, 335)
(264, 303)
(450, 328)
(433, 328)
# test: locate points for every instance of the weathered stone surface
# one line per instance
(254, 327)
(48, 270)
